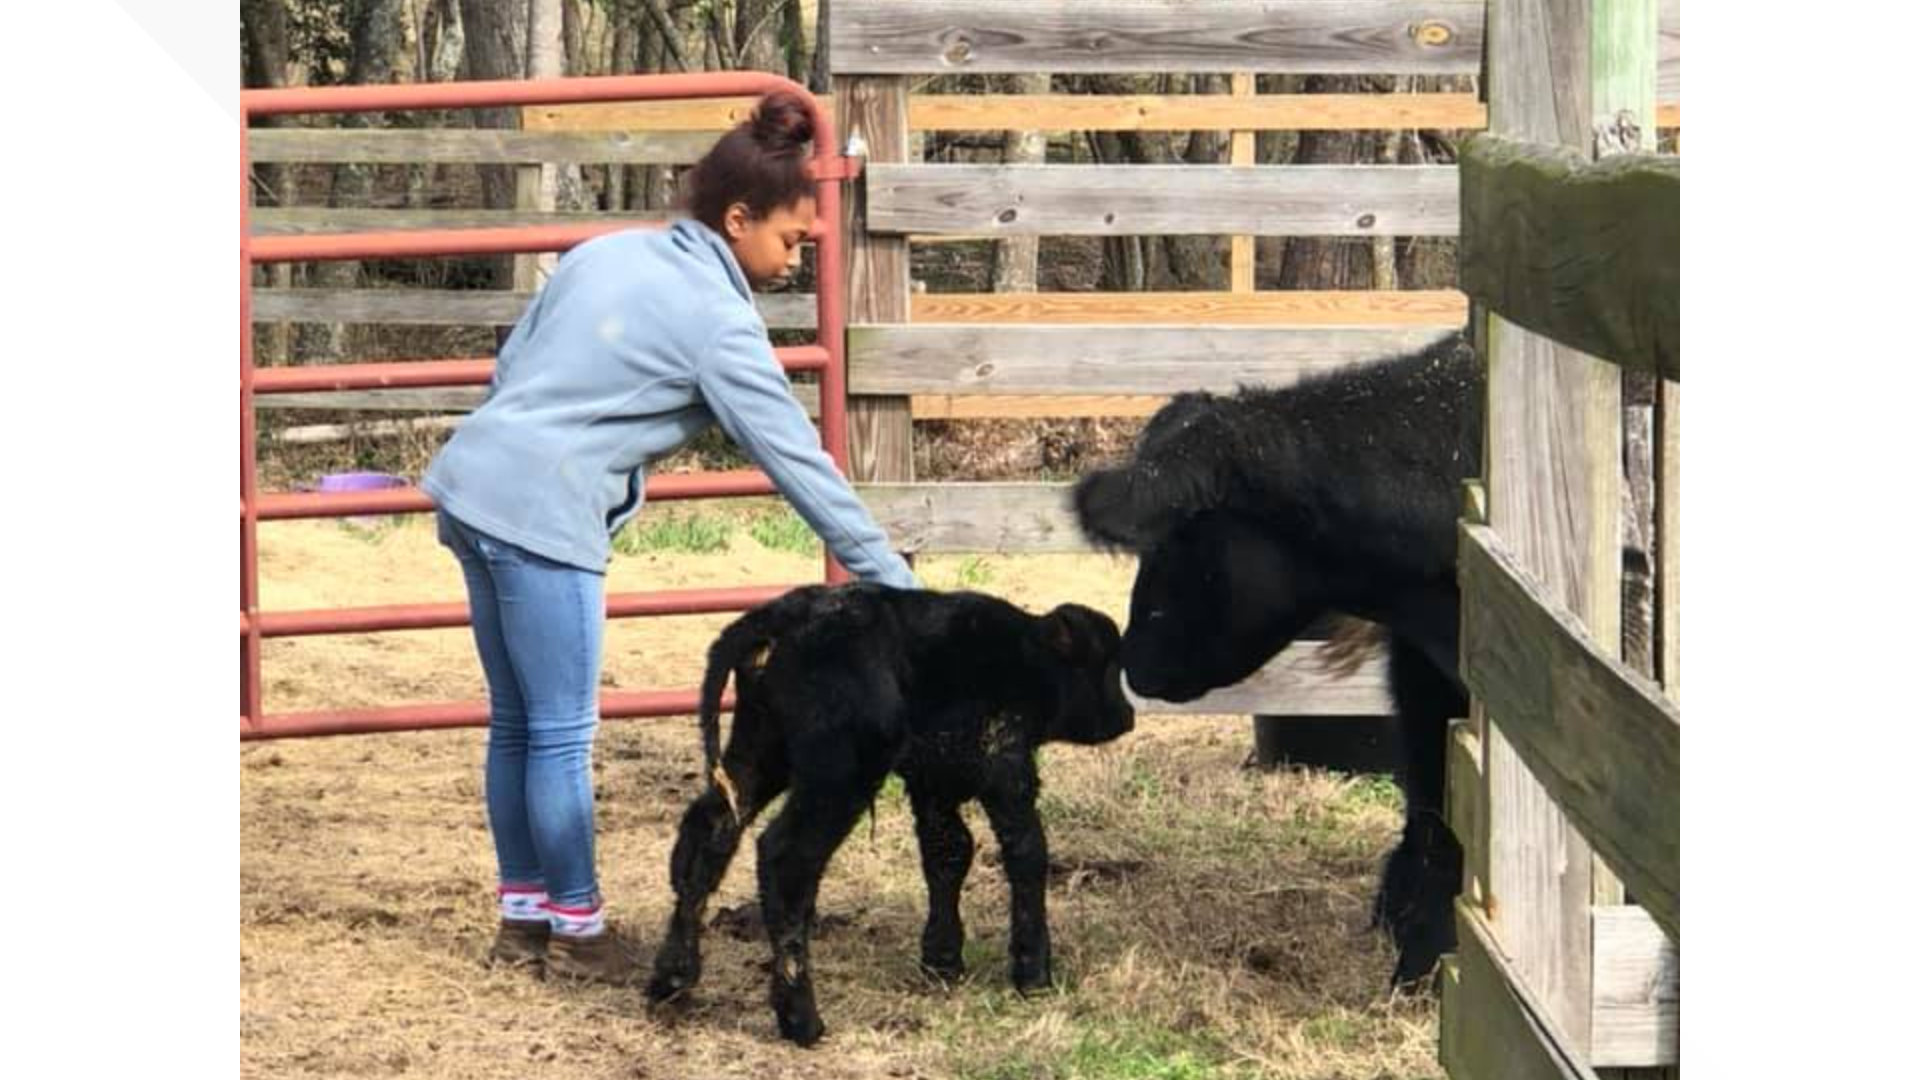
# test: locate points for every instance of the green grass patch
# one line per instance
(784, 530)
(694, 534)
(1108, 1048)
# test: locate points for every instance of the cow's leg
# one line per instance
(794, 852)
(756, 763)
(1422, 875)
(1009, 803)
(946, 854)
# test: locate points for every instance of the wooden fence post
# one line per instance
(873, 109)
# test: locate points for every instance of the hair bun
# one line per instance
(782, 123)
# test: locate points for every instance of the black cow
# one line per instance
(837, 686)
(1258, 513)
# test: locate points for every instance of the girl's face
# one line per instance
(768, 248)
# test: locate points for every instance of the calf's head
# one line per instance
(1079, 649)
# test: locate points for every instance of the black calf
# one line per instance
(836, 687)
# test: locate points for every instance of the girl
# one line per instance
(639, 341)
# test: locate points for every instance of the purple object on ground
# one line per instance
(361, 481)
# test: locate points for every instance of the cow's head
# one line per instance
(1214, 600)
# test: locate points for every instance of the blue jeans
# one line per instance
(538, 625)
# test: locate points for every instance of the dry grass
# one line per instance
(1209, 921)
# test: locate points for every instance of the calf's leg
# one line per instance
(794, 852)
(946, 854)
(1023, 854)
(709, 835)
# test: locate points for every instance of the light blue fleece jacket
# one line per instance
(639, 341)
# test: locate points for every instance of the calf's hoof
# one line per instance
(800, 1024)
(948, 968)
(675, 972)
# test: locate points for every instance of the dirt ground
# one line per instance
(1208, 920)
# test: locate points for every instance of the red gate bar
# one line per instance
(363, 620)
(826, 357)
(457, 714)
(477, 371)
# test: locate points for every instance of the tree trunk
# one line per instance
(496, 48)
(756, 35)
(378, 40)
(820, 80)
(1016, 259)
(265, 22)
(1200, 262)
(1312, 262)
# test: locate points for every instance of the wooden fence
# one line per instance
(1564, 784)
(925, 355)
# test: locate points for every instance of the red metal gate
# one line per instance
(826, 356)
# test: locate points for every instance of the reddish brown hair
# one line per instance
(762, 162)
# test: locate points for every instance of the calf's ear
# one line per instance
(1059, 634)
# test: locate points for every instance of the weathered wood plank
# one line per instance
(1600, 738)
(1636, 991)
(1032, 407)
(1291, 684)
(439, 399)
(306, 220)
(713, 115)
(1432, 307)
(1492, 1027)
(447, 399)
(1587, 254)
(1669, 62)
(1064, 112)
(462, 307)
(1466, 804)
(477, 146)
(879, 428)
(1667, 535)
(1197, 112)
(1427, 37)
(1027, 518)
(1165, 200)
(1240, 256)
(1120, 359)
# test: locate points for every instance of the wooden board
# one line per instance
(1636, 991)
(1164, 200)
(462, 307)
(447, 399)
(1121, 359)
(1669, 60)
(1426, 37)
(1240, 256)
(310, 220)
(1587, 254)
(476, 146)
(1602, 739)
(1063, 112)
(1491, 1026)
(1430, 307)
(879, 429)
(1466, 804)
